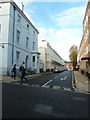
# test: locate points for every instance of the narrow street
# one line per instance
(57, 81)
(49, 96)
(48, 42)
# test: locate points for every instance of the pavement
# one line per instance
(9, 79)
(81, 82)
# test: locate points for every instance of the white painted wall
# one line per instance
(48, 55)
(6, 20)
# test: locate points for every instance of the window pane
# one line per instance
(19, 18)
(18, 36)
(27, 26)
(33, 58)
(27, 39)
(33, 45)
(17, 57)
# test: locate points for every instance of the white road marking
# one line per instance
(25, 84)
(56, 76)
(61, 78)
(79, 98)
(56, 87)
(35, 85)
(64, 78)
(0, 77)
(47, 83)
(46, 86)
(43, 108)
(66, 88)
(16, 83)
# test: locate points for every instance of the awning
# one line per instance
(85, 58)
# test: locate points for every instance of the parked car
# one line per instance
(60, 69)
(63, 69)
(56, 70)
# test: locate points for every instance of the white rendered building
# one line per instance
(51, 59)
(18, 39)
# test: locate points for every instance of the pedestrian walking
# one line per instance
(14, 71)
(22, 73)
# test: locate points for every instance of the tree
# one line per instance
(73, 56)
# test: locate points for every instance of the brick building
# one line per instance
(84, 48)
(68, 65)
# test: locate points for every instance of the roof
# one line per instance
(20, 11)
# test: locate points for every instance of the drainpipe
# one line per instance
(13, 34)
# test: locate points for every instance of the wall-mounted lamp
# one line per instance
(2, 46)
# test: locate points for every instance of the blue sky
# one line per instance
(60, 23)
(45, 13)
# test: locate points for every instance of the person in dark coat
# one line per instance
(14, 71)
(22, 72)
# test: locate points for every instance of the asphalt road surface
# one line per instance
(48, 96)
(58, 80)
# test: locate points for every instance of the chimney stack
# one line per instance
(22, 6)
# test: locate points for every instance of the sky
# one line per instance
(58, 21)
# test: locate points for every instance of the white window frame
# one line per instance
(33, 61)
(33, 32)
(33, 47)
(17, 57)
(27, 40)
(28, 26)
(18, 36)
(19, 18)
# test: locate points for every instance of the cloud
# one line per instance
(62, 39)
(24, 1)
(68, 33)
(54, 0)
(69, 17)
(65, 38)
